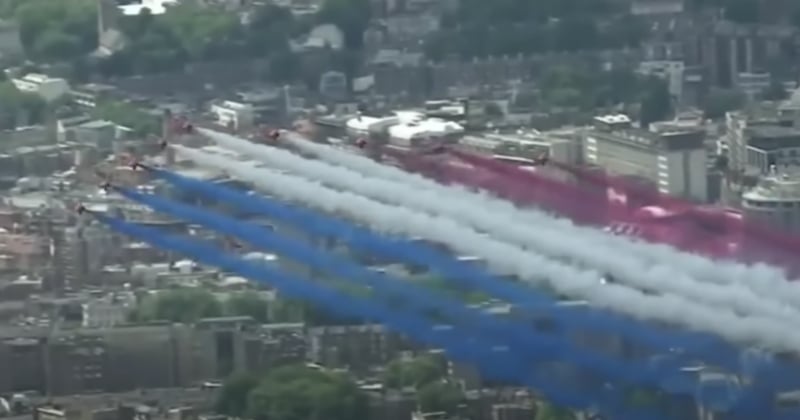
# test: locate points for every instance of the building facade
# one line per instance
(674, 163)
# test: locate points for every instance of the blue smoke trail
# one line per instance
(710, 348)
(494, 364)
(555, 346)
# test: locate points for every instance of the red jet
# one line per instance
(361, 143)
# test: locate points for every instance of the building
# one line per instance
(333, 85)
(104, 313)
(656, 7)
(672, 72)
(89, 95)
(753, 84)
(233, 115)
(673, 162)
(771, 146)
(415, 130)
(562, 145)
(727, 49)
(49, 88)
(97, 134)
(155, 7)
(10, 42)
(775, 201)
(357, 347)
(369, 126)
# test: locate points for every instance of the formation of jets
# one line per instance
(183, 126)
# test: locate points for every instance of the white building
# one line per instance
(753, 84)
(656, 7)
(49, 88)
(364, 126)
(105, 313)
(675, 162)
(155, 7)
(234, 115)
(561, 146)
(414, 129)
(775, 201)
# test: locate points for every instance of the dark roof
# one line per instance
(773, 137)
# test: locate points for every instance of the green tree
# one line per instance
(301, 393)
(775, 91)
(351, 16)
(57, 30)
(493, 110)
(180, 305)
(480, 28)
(19, 107)
(656, 103)
(440, 396)
(232, 399)
(416, 373)
(248, 304)
(547, 411)
(720, 101)
(128, 115)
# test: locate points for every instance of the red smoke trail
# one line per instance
(708, 231)
(582, 205)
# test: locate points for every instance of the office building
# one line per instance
(775, 201)
(673, 162)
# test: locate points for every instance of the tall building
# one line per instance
(110, 38)
(775, 201)
(674, 162)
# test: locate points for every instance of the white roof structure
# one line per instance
(365, 123)
(156, 7)
(778, 188)
(431, 127)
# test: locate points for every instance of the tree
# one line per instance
(19, 108)
(775, 91)
(546, 411)
(480, 28)
(416, 373)
(440, 396)
(351, 16)
(180, 305)
(720, 101)
(493, 110)
(128, 115)
(232, 399)
(300, 393)
(248, 304)
(57, 30)
(656, 103)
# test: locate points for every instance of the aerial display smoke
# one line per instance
(496, 332)
(452, 270)
(700, 344)
(765, 280)
(495, 363)
(547, 236)
(554, 381)
(754, 242)
(503, 257)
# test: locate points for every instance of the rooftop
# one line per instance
(779, 187)
(772, 137)
(156, 7)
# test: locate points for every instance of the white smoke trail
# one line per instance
(767, 281)
(542, 238)
(508, 258)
